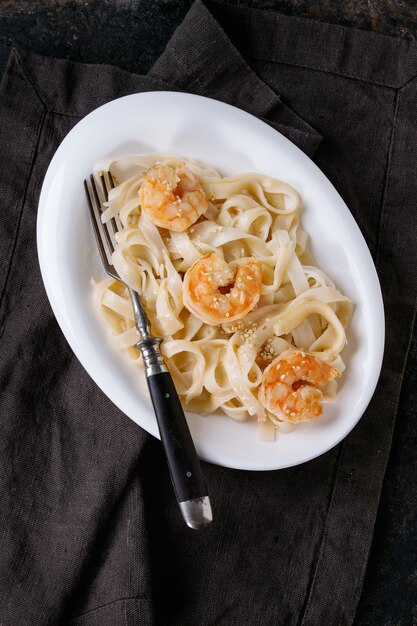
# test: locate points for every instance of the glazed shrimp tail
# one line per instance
(172, 198)
(215, 293)
(292, 384)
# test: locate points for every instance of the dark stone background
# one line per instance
(131, 34)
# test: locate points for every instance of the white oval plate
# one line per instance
(234, 142)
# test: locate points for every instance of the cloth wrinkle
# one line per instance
(386, 179)
(22, 207)
(18, 58)
(322, 544)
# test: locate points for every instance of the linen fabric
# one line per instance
(90, 532)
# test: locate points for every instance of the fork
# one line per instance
(183, 463)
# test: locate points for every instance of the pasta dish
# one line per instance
(250, 325)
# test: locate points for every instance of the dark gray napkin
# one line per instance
(90, 533)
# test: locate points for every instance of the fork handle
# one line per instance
(184, 466)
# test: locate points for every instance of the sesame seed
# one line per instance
(227, 314)
(282, 376)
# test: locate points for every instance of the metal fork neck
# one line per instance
(152, 357)
(149, 346)
(141, 319)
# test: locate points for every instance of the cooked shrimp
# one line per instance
(172, 198)
(216, 293)
(291, 386)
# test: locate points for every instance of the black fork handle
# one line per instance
(183, 463)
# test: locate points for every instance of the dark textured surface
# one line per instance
(107, 31)
(390, 592)
(132, 35)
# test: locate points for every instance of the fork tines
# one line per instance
(103, 234)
